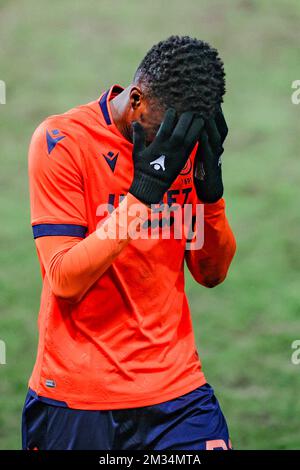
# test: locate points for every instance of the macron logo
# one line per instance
(53, 139)
(159, 163)
(111, 159)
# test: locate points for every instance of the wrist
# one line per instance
(147, 189)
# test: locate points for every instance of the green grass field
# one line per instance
(58, 54)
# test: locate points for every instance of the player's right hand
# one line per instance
(157, 166)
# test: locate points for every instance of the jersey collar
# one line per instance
(105, 110)
(104, 102)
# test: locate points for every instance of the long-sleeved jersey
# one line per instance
(115, 329)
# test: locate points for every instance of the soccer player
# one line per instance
(117, 365)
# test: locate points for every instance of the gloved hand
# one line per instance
(208, 168)
(157, 166)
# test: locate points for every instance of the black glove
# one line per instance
(159, 164)
(208, 168)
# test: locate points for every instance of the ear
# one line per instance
(135, 97)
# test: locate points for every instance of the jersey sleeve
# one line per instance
(56, 182)
(73, 265)
(209, 264)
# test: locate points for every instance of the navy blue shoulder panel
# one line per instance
(52, 230)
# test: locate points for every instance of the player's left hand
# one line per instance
(208, 167)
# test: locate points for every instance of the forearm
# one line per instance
(209, 265)
(73, 265)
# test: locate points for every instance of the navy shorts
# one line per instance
(193, 421)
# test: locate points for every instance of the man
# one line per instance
(117, 366)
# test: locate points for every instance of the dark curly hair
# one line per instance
(184, 73)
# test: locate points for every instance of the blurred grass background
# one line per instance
(55, 55)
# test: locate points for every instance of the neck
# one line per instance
(118, 107)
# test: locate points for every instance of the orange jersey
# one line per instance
(129, 341)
